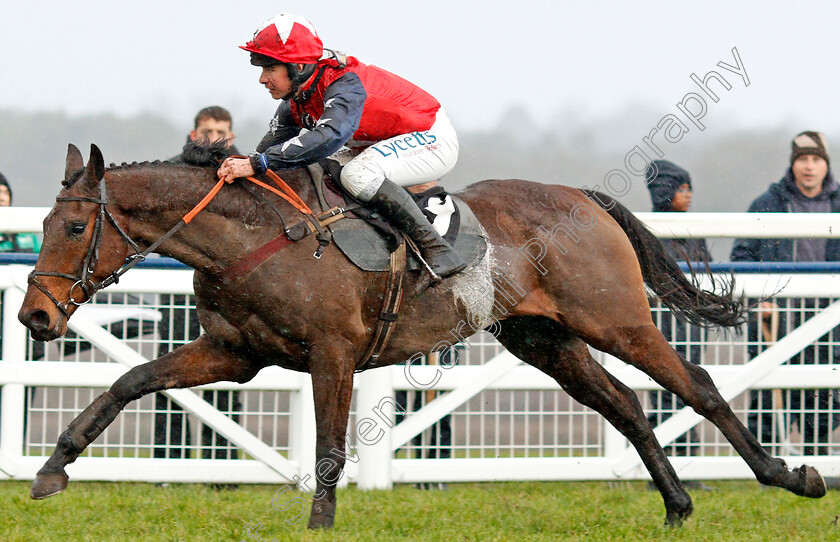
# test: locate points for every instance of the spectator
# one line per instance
(807, 187)
(26, 243)
(670, 191)
(211, 124)
(16, 242)
(180, 325)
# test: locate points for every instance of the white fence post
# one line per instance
(615, 444)
(374, 424)
(12, 403)
(302, 437)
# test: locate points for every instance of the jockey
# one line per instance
(399, 134)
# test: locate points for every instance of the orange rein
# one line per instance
(203, 203)
(287, 194)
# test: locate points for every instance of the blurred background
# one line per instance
(557, 92)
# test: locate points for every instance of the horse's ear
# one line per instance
(74, 161)
(96, 164)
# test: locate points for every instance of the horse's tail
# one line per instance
(661, 274)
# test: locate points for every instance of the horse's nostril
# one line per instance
(39, 320)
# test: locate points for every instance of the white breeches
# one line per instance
(408, 159)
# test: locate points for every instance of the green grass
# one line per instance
(591, 511)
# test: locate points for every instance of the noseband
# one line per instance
(83, 280)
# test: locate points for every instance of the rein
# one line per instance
(83, 281)
(88, 287)
(313, 224)
(287, 193)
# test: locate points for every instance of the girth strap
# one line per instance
(390, 309)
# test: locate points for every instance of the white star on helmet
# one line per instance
(284, 23)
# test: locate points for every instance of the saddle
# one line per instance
(372, 244)
(368, 241)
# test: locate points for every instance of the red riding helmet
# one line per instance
(287, 38)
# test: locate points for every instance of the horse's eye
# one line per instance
(77, 228)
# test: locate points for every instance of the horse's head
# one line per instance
(83, 245)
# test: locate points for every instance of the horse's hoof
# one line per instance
(321, 521)
(675, 518)
(323, 516)
(812, 482)
(47, 484)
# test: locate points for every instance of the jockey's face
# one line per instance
(211, 130)
(276, 80)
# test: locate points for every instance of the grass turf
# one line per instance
(591, 511)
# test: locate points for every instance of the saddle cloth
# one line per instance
(369, 247)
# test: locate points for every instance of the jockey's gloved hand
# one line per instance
(234, 168)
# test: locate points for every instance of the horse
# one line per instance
(550, 296)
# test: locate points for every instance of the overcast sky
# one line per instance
(588, 59)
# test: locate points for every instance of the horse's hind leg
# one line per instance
(646, 348)
(551, 348)
(191, 365)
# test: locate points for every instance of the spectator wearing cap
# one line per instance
(670, 192)
(808, 186)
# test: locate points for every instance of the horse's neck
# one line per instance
(232, 225)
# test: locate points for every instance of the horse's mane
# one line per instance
(199, 161)
(195, 153)
(198, 153)
(76, 175)
(233, 202)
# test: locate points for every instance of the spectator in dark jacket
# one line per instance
(807, 187)
(179, 324)
(212, 124)
(670, 192)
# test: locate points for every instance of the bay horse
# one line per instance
(317, 315)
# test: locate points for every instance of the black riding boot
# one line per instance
(397, 206)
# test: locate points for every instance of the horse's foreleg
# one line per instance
(646, 348)
(332, 385)
(194, 364)
(551, 348)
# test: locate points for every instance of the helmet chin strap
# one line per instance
(296, 77)
(304, 76)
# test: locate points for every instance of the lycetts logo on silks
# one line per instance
(415, 140)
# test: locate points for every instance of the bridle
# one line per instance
(83, 280)
(312, 224)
